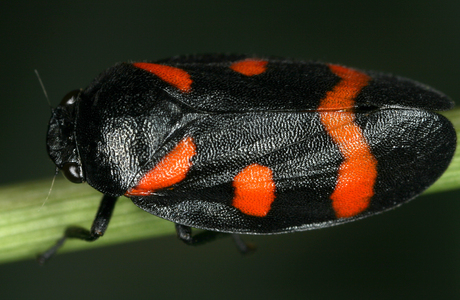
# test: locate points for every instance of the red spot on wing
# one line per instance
(250, 66)
(343, 95)
(358, 172)
(254, 190)
(174, 76)
(170, 170)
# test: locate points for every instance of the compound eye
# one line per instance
(70, 98)
(73, 172)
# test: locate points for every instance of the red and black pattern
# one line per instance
(242, 144)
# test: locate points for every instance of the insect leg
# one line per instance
(184, 233)
(100, 224)
(243, 246)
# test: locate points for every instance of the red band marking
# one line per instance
(174, 76)
(254, 190)
(170, 170)
(358, 172)
(250, 66)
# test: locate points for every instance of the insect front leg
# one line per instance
(184, 233)
(100, 224)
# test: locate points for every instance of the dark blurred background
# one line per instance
(410, 253)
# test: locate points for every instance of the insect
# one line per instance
(246, 145)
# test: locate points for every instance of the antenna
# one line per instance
(43, 88)
(51, 188)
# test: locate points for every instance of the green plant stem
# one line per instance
(450, 180)
(29, 225)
